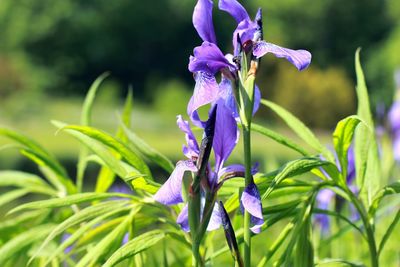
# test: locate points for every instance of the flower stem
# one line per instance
(248, 180)
(368, 228)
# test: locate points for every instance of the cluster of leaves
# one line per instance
(106, 228)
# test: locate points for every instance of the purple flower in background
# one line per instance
(324, 198)
(394, 121)
(249, 33)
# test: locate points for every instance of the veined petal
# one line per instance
(202, 20)
(170, 192)
(226, 92)
(251, 202)
(205, 91)
(235, 9)
(300, 58)
(208, 58)
(215, 220)
(192, 148)
(226, 134)
(183, 219)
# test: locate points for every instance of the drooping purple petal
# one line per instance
(202, 20)
(226, 134)
(226, 93)
(236, 170)
(215, 220)
(251, 202)
(300, 58)
(170, 192)
(235, 9)
(183, 219)
(192, 148)
(208, 58)
(205, 92)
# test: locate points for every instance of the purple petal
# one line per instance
(394, 117)
(170, 192)
(351, 166)
(183, 219)
(226, 134)
(226, 93)
(324, 198)
(235, 168)
(235, 9)
(208, 58)
(205, 92)
(192, 148)
(300, 58)
(257, 99)
(202, 20)
(215, 220)
(251, 202)
(247, 30)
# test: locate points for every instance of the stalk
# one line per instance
(248, 180)
(368, 229)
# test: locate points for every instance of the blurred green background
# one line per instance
(51, 51)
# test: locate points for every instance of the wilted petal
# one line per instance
(226, 134)
(208, 58)
(170, 192)
(251, 202)
(235, 9)
(192, 148)
(300, 58)
(205, 92)
(183, 219)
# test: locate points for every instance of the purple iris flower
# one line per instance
(225, 139)
(249, 32)
(207, 61)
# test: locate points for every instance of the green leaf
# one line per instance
(89, 100)
(278, 138)
(109, 208)
(116, 145)
(12, 195)
(293, 168)
(304, 254)
(22, 241)
(66, 201)
(108, 241)
(342, 138)
(366, 149)
(39, 155)
(25, 180)
(338, 262)
(135, 246)
(86, 121)
(147, 151)
(393, 188)
(102, 152)
(144, 184)
(300, 129)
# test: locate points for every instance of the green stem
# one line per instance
(248, 180)
(368, 228)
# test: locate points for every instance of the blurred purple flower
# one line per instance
(249, 33)
(324, 198)
(394, 121)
